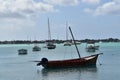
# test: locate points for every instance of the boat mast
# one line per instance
(67, 31)
(74, 42)
(49, 33)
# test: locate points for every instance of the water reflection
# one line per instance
(70, 73)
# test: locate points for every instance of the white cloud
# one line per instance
(91, 1)
(87, 10)
(109, 8)
(112, 7)
(62, 2)
(17, 17)
(23, 8)
(117, 1)
(16, 28)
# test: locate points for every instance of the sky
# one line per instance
(89, 19)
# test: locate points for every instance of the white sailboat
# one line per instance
(91, 47)
(22, 51)
(67, 43)
(50, 44)
(36, 47)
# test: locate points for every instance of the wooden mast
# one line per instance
(74, 42)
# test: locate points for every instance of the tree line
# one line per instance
(58, 41)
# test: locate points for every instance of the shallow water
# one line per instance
(21, 67)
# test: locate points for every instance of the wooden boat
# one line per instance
(22, 51)
(50, 44)
(78, 62)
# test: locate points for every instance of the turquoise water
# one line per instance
(21, 67)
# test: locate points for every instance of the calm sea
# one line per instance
(21, 67)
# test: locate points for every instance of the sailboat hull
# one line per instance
(79, 62)
(36, 48)
(51, 46)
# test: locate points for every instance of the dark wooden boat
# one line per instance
(78, 62)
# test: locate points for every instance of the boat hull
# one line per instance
(90, 49)
(80, 62)
(22, 51)
(67, 44)
(51, 46)
(36, 48)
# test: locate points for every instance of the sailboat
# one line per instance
(91, 47)
(77, 62)
(22, 51)
(36, 48)
(50, 44)
(67, 43)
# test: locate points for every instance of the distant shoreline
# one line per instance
(58, 41)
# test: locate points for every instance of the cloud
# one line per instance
(109, 8)
(62, 2)
(23, 8)
(91, 1)
(16, 28)
(87, 10)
